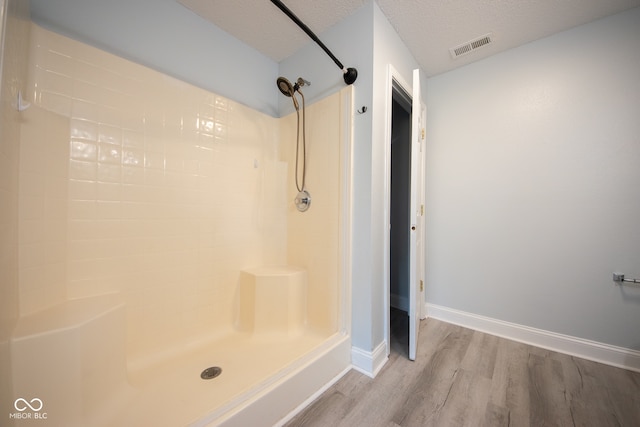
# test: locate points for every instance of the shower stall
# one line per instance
(165, 276)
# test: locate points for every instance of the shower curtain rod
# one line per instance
(350, 74)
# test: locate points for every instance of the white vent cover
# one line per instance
(470, 46)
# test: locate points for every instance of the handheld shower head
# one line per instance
(288, 89)
(285, 86)
(303, 199)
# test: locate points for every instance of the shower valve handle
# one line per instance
(303, 200)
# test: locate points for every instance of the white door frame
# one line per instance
(394, 75)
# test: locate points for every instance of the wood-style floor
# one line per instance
(466, 378)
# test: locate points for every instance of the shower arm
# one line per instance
(350, 74)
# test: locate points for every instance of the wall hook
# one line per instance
(362, 110)
(619, 278)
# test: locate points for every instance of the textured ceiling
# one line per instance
(259, 23)
(428, 27)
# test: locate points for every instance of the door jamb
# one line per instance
(392, 75)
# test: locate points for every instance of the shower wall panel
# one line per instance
(14, 36)
(313, 236)
(169, 192)
(44, 154)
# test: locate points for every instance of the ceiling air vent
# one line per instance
(470, 46)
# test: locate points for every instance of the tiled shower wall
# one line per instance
(140, 184)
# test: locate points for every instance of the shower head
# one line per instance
(288, 89)
(285, 86)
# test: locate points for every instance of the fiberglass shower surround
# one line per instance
(165, 285)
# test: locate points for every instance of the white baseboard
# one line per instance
(598, 352)
(369, 363)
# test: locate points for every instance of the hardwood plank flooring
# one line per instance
(467, 378)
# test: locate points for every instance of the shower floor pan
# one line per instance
(72, 358)
(262, 380)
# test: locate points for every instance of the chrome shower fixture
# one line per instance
(302, 200)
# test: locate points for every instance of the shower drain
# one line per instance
(210, 373)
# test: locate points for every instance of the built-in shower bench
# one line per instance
(71, 356)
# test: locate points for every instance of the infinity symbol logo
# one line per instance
(24, 404)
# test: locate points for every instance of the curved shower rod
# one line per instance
(350, 74)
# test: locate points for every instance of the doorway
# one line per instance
(404, 176)
(400, 218)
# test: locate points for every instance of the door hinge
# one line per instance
(421, 286)
(422, 133)
(421, 210)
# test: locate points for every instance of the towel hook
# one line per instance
(619, 278)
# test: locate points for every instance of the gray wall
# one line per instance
(532, 183)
